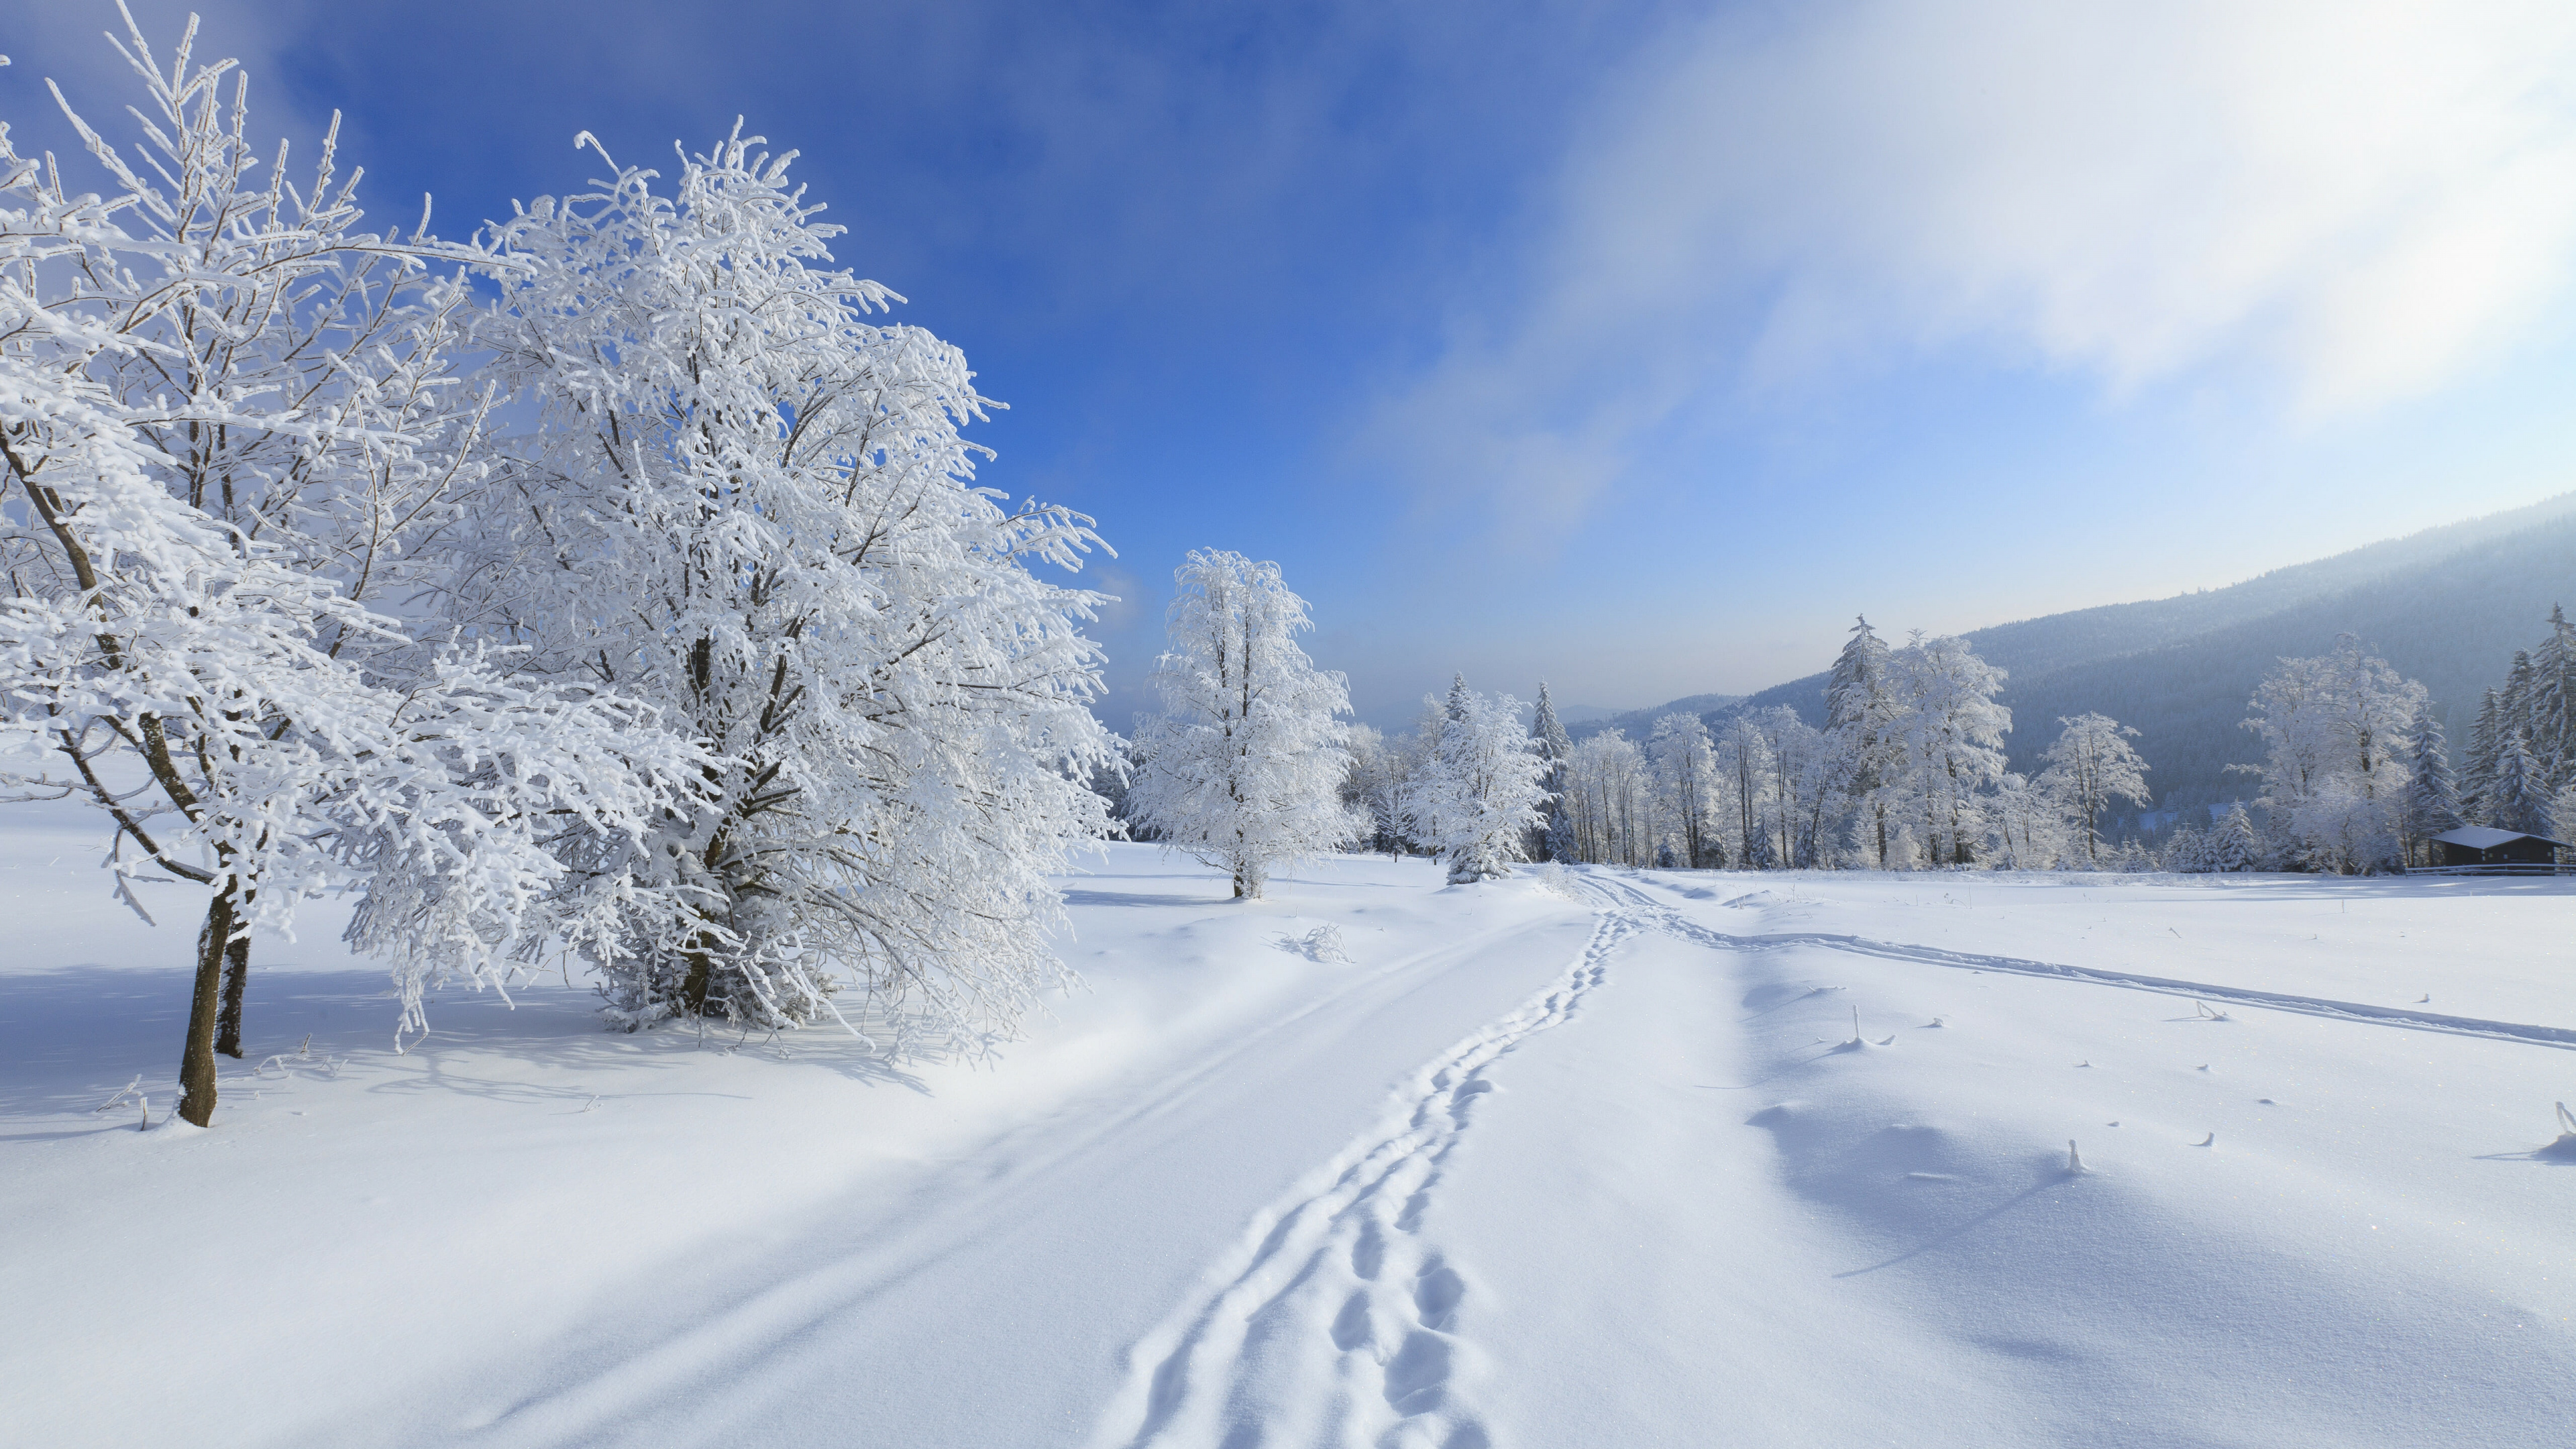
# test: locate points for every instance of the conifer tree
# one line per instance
(2478, 769)
(2432, 794)
(2236, 846)
(1484, 786)
(1548, 737)
(2553, 702)
(2520, 800)
(2520, 684)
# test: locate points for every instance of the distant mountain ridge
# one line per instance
(2447, 606)
(1637, 723)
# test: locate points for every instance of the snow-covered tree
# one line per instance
(2091, 765)
(1482, 792)
(2520, 798)
(2029, 824)
(1611, 792)
(1860, 712)
(2478, 766)
(1685, 768)
(1950, 732)
(2432, 795)
(2521, 689)
(1547, 735)
(2186, 850)
(230, 421)
(2335, 730)
(1745, 772)
(1802, 793)
(1381, 786)
(2236, 846)
(1243, 765)
(2551, 724)
(749, 503)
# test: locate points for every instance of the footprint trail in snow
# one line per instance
(1334, 1321)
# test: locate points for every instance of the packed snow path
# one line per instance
(1591, 1158)
(1335, 1286)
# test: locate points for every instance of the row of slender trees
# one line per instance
(1907, 772)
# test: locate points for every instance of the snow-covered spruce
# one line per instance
(751, 505)
(227, 417)
(1480, 797)
(1556, 841)
(1243, 768)
(2432, 790)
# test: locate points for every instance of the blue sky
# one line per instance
(1633, 346)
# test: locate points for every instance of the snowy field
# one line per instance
(1580, 1158)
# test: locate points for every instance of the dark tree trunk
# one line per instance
(228, 1020)
(693, 988)
(197, 1058)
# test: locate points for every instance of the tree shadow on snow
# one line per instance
(69, 1039)
(1143, 898)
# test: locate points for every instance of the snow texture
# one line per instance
(1585, 1156)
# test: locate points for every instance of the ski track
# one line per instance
(1335, 1320)
(2560, 1037)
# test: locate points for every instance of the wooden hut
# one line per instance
(2476, 845)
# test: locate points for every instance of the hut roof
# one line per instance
(2487, 837)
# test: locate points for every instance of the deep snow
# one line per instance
(1583, 1157)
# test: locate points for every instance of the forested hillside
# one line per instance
(2447, 606)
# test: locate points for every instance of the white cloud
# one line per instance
(2362, 200)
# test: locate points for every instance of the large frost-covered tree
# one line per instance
(229, 419)
(1243, 766)
(1484, 785)
(750, 503)
(2335, 730)
(2091, 765)
(1949, 731)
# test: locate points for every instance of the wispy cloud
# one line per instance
(2353, 202)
